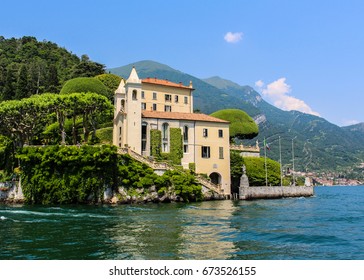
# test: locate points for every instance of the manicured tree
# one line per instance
(242, 126)
(111, 82)
(84, 84)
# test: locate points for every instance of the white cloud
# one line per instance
(259, 84)
(278, 93)
(231, 37)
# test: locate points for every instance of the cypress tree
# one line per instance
(22, 89)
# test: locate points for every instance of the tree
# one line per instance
(255, 170)
(87, 68)
(111, 82)
(236, 163)
(22, 89)
(242, 126)
(9, 86)
(84, 84)
(52, 79)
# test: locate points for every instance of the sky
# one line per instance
(300, 55)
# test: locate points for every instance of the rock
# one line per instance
(114, 200)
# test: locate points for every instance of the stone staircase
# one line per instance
(165, 166)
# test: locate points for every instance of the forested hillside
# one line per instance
(28, 67)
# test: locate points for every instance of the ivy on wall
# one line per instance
(176, 143)
(155, 143)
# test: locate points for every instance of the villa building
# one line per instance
(142, 106)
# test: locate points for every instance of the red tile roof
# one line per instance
(164, 83)
(181, 116)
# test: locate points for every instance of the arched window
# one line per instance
(134, 94)
(122, 104)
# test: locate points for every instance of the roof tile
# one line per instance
(181, 116)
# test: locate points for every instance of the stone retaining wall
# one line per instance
(248, 193)
(11, 192)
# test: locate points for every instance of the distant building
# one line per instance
(144, 105)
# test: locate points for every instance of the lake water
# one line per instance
(328, 226)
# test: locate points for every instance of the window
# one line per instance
(205, 152)
(186, 100)
(144, 136)
(221, 152)
(176, 98)
(119, 130)
(122, 104)
(154, 107)
(134, 95)
(168, 98)
(165, 132)
(143, 95)
(185, 149)
(205, 132)
(167, 108)
(165, 148)
(144, 106)
(221, 133)
(185, 133)
(154, 96)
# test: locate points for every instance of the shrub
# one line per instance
(78, 85)
(105, 135)
(111, 82)
(255, 170)
(242, 126)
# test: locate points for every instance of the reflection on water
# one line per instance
(328, 226)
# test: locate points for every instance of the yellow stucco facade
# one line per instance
(143, 105)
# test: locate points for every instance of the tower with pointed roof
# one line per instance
(127, 115)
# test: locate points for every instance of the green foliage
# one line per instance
(155, 143)
(30, 67)
(6, 154)
(255, 169)
(236, 163)
(111, 82)
(87, 68)
(105, 135)
(184, 185)
(176, 149)
(67, 174)
(242, 126)
(133, 174)
(84, 84)
(24, 121)
(176, 145)
(192, 167)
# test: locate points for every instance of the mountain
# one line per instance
(318, 145)
(359, 127)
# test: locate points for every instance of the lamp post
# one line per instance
(294, 182)
(280, 159)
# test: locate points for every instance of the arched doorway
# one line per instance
(215, 178)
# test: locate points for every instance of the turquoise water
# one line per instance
(327, 226)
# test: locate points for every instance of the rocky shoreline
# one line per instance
(11, 193)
